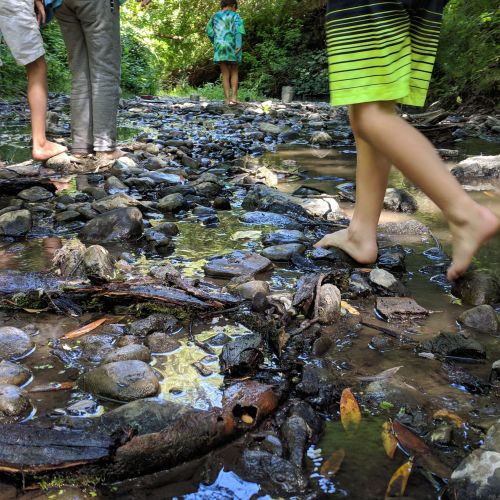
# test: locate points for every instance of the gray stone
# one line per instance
(171, 203)
(116, 225)
(454, 344)
(127, 353)
(477, 288)
(113, 202)
(270, 128)
(15, 223)
(270, 219)
(98, 264)
(250, 289)
(321, 138)
(237, 264)
(121, 381)
(477, 168)
(153, 323)
(483, 318)
(35, 194)
(14, 404)
(329, 304)
(384, 280)
(398, 200)
(161, 343)
(283, 252)
(96, 347)
(14, 343)
(395, 391)
(13, 374)
(283, 236)
(114, 185)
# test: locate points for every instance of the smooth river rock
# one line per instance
(15, 223)
(237, 264)
(14, 404)
(14, 343)
(283, 252)
(13, 374)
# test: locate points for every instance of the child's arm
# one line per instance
(40, 12)
(239, 27)
(210, 30)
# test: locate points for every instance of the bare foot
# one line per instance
(468, 238)
(47, 150)
(361, 250)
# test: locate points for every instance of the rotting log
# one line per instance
(31, 450)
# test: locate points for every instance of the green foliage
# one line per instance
(467, 64)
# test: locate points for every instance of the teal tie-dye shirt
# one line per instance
(226, 29)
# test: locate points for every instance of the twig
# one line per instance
(392, 333)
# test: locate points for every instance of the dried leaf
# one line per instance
(408, 440)
(399, 480)
(350, 414)
(54, 387)
(350, 309)
(247, 419)
(449, 415)
(388, 439)
(333, 464)
(382, 375)
(84, 329)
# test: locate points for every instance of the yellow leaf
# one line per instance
(333, 464)
(399, 480)
(449, 415)
(350, 309)
(388, 439)
(247, 419)
(350, 414)
(84, 329)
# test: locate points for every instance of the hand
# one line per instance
(40, 12)
(144, 3)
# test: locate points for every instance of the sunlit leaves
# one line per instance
(350, 414)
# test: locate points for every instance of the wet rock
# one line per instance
(358, 286)
(392, 258)
(251, 288)
(116, 225)
(283, 252)
(69, 259)
(161, 343)
(145, 416)
(477, 288)
(35, 194)
(321, 138)
(329, 304)
(114, 202)
(268, 442)
(68, 216)
(167, 228)
(395, 391)
(114, 185)
(129, 352)
(121, 381)
(96, 347)
(153, 323)
(399, 308)
(296, 433)
(189, 162)
(386, 282)
(221, 203)
(208, 185)
(82, 408)
(334, 255)
(270, 128)
(98, 264)
(237, 264)
(266, 468)
(483, 318)
(477, 168)
(13, 374)
(270, 219)
(495, 371)
(14, 404)
(454, 344)
(461, 378)
(398, 200)
(241, 355)
(15, 223)
(171, 203)
(282, 237)
(14, 343)
(382, 344)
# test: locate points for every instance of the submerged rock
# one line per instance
(454, 344)
(14, 404)
(121, 381)
(116, 225)
(237, 264)
(13, 374)
(477, 288)
(283, 252)
(483, 318)
(15, 223)
(329, 304)
(242, 354)
(14, 343)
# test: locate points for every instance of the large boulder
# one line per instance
(477, 288)
(15, 223)
(121, 381)
(477, 168)
(14, 343)
(115, 225)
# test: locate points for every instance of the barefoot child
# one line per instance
(380, 54)
(226, 29)
(19, 26)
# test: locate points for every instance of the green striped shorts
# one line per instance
(382, 51)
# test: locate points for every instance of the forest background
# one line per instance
(166, 51)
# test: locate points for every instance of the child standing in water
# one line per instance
(225, 30)
(380, 54)
(20, 26)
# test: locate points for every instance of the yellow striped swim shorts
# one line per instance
(382, 50)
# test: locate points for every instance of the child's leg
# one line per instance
(226, 80)
(372, 172)
(37, 99)
(471, 224)
(234, 81)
